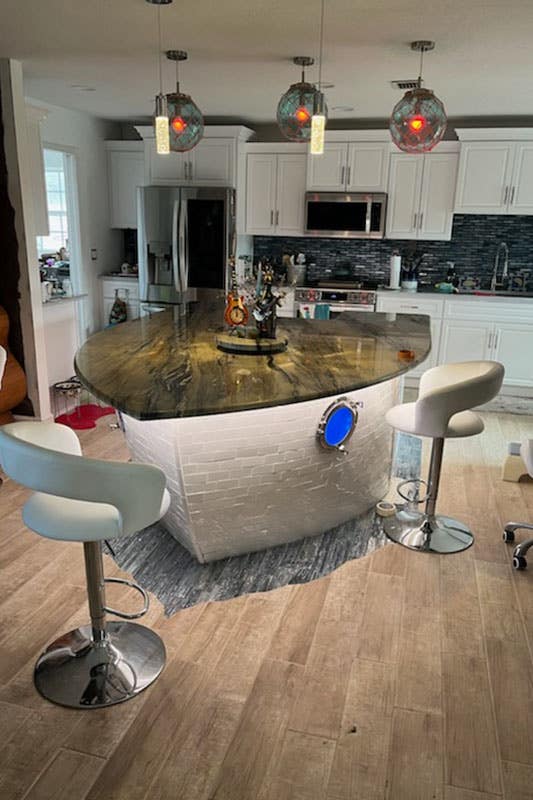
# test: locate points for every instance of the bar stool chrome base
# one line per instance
(79, 672)
(428, 533)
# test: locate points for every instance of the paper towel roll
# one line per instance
(395, 269)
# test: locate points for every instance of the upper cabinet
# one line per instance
(421, 195)
(350, 166)
(34, 117)
(126, 172)
(275, 193)
(495, 172)
(213, 162)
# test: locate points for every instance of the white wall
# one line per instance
(85, 135)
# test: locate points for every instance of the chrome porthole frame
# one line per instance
(331, 410)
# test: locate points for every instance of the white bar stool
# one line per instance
(86, 500)
(519, 554)
(445, 394)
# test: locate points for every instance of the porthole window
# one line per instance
(337, 424)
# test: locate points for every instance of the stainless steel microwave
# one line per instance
(345, 216)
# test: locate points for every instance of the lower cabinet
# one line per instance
(473, 329)
(126, 289)
(513, 347)
(465, 341)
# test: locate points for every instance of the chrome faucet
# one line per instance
(494, 282)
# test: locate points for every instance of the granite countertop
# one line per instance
(156, 368)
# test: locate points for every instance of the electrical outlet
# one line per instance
(94, 254)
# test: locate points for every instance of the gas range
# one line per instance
(339, 298)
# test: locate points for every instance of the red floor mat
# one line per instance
(84, 416)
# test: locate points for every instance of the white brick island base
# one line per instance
(248, 480)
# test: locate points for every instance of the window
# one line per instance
(55, 169)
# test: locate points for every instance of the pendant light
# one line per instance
(418, 121)
(318, 121)
(297, 105)
(162, 138)
(186, 123)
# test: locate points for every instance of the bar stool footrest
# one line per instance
(126, 614)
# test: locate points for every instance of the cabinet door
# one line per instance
(260, 193)
(211, 163)
(290, 194)
(169, 169)
(405, 183)
(483, 182)
(327, 173)
(513, 346)
(368, 167)
(465, 341)
(126, 173)
(437, 198)
(521, 197)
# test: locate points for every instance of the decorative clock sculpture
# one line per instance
(236, 312)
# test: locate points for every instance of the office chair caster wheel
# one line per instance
(519, 562)
(508, 536)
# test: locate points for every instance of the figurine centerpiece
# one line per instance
(262, 339)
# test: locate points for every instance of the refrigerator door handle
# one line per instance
(183, 247)
(175, 244)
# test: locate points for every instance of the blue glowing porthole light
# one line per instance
(337, 424)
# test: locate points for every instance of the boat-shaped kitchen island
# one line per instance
(258, 449)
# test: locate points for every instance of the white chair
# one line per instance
(519, 554)
(441, 411)
(86, 500)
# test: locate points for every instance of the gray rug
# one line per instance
(172, 574)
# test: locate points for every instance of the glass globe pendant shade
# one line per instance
(186, 123)
(418, 121)
(295, 110)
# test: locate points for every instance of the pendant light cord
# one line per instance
(321, 46)
(422, 51)
(159, 50)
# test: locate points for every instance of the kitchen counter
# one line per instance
(236, 435)
(155, 368)
(426, 292)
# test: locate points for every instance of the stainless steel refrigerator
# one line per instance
(185, 238)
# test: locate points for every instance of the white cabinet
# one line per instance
(210, 163)
(34, 117)
(463, 340)
(512, 344)
(495, 177)
(126, 289)
(400, 303)
(275, 194)
(349, 166)
(421, 196)
(125, 162)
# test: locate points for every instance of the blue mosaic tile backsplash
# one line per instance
(472, 249)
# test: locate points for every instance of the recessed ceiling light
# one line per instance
(82, 88)
(342, 108)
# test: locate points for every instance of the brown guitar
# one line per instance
(13, 382)
(236, 312)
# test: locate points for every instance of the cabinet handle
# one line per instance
(277, 217)
(185, 169)
(343, 170)
(190, 170)
(490, 341)
(506, 195)
(421, 217)
(414, 220)
(496, 337)
(271, 217)
(348, 176)
(511, 201)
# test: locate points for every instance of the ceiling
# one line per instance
(240, 53)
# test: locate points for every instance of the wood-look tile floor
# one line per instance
(400, 676)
